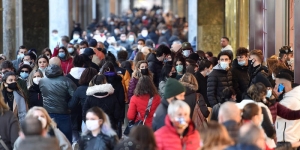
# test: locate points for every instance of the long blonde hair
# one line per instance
(215, 135)
(137, 73)
(3, 106)
(188, 79)
(50, 122)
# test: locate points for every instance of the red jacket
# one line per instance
(168, 139)
(67, 65)
(138, 104)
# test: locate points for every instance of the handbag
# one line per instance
(198, 118)
(3, 144)
(132, 123)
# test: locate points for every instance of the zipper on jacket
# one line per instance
(183, 145)
(284, 132)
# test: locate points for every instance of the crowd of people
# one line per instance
(81, 93)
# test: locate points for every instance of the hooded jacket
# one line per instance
(103, 97)
(289, 130)
(75, 74)
(160, 114)
(155, 67)
(168, 139)
(190, 98)
(138, 106)
(56, 90)
(217, 81)
(240, 79)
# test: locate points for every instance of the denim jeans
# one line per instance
(64, 124)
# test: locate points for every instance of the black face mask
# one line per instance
(145, 71)
(173, 75)
(12, 86)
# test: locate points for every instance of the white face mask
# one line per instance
(269, 93)
(81, 51)
(92, 124)
(75, 37)
(43, 121)
(186, 53)
(140, 47)
(36, 80)
(144, 33)
(291, 61)
(224, 65)
(70, 50)
(273, 76)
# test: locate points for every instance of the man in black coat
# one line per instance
(219, 79)
(240, 76)
(156, 62)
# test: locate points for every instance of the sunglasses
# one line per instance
(24, 71)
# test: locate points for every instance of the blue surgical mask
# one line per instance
(242, 63)
(20, 56)
(269, 93)
(23, 75)
(42, 69)
(179, 68)
(186, 53)
(61, 55)
(70, 50)
(224, 65)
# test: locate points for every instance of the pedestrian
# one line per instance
(24, 71)
(179, 132)
(100, 135)
(9, 125)
(144, 137)
(42, 63)
(49, 127)
(34, 93)
(145, 91)
(13, 95)
(257, 70)
(174, 90)
(66, 60)
(180, 67)
(168, 71)
(76, 71)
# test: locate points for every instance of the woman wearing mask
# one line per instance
(24, 71)
(116, 81)
(9, 125)
(189, 81)
(168, 71)
(47, 52)
(34, 93)
(49, 126)
(101, 94)
(66, 60)
(205, 68)
(141, 69)
(42, 63)
(257, 93)
(179, 131)
(180, 67)
(13, 95)
(144, 91)
(76, 71)
(100, 135)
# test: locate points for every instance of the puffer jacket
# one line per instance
(35, 96)
(56, 90)
(256, 73)
(132, 84)
(190, 98)
(160, 114)
(100, 142)
(217, 81)
(138, 105)
(168, 139)
(102, 97)
(155, 67)
(125, 79)
(240, 79)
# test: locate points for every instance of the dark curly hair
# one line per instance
(144, 86)
(242, 51)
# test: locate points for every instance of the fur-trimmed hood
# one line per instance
(106, 89)
(188, 85)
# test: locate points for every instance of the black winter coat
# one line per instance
(35, 96)
(102, 96)
(155, 67)
(240, 79)
(57, 90)
(160, 114)
(73, 79)
(116, 81)
(100, 142)
(190, 98)
(78, 99)
(217, 81)
(202, 86)
(258, 74)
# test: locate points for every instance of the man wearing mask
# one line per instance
(124, 43)
(286, 56)
(141, 44)
(21, 52)
(76, 38)
(225, 46)
(144, 34)
(240, 77)
(187, 49)
(65, 40)
(219, 79)
(54, 39)
(256, 69)
(156, 62)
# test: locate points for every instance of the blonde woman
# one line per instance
(215, 137)
(48, 125)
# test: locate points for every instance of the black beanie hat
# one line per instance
(173, 88)
(262, 79)
(93, 43)
(194, 56)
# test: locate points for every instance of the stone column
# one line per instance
(280, 25)
(19, 23)
(9, 29)
(1, 27)
(270, 28)
(59, 17)
(180, 6)
(192, 19)
(296, 40)
(125, 6)
(256, 32)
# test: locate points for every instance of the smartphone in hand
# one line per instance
(280, 88)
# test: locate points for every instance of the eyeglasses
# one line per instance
(24, 71)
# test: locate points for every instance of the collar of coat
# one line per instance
(102, 88)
